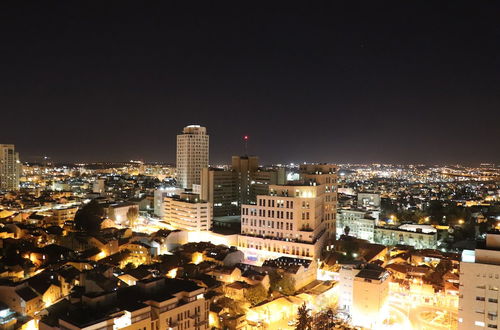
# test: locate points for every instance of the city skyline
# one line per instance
(344, 83)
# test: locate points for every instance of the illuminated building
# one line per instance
(347, 272)
(188, 212)
(293, 219)
(63, 214)
(192, 155)
(370, 293)
(368, 200)
(220, 188)
(227, 190)
(479, 285)
(9, 167)
(361, 224)
(157, 303)
(159, 199)
(119, 212)
(418, 236)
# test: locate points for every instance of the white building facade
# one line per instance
(294, 220)
(479, 286)
(192, 155)
(9, 167)
(187, 212)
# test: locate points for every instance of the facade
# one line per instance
(119, 212)
(9, 167)
(63, 214)
(220, 188)
(347, 272)
(159, 199)
(192, 155)
(158, 304)
(360, 224)
(479, 286)
(227, 190)
(369, 200)
(245, 166)
(412, 235)
(293, 219)
(370, 294)
(188, 212)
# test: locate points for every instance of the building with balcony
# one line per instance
(157, 303)
(293, 219)
(187, 212)
(479, 285)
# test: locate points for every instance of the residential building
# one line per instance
(370, 294)
(156, 303)
(159, 199)
(62, 214)
(188, 212)
(192, 155)
(479, 285)
(418, 236)
(292, 220)
(118, 212)
(361, 224)
(302, 271)
(368, 200)
(347, 272)
(9, 167)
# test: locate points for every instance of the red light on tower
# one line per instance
(245, 138)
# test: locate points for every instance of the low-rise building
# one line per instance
(188, 212)
(418, 236)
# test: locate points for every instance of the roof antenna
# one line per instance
(245, 138)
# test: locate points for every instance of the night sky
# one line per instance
(354, 81)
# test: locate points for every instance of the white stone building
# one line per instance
(479, 286)
(294, 220)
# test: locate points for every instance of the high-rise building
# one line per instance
(192, 155)
(245, 166)
(220, 188)
(227, 190)
(294, 219)
(479, 285)
(9, 167)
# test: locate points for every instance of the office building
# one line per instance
(9, 167)
(221, 189)
(192, 155)
(479, 285)
(227, 190)
(188, 212)
(293, 219)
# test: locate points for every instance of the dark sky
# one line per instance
(353, 81)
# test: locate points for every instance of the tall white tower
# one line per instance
(9, 167)
(192, 155)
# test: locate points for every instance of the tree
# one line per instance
(282, 282)
(89, 217)
(256, 294)
(132, 215)
(304, 319)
